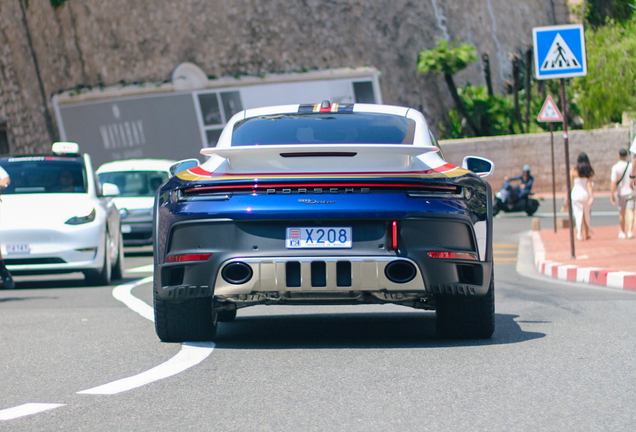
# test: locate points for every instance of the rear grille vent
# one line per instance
(318, 274)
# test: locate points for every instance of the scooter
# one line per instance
(507, 200)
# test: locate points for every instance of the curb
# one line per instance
(572, 273)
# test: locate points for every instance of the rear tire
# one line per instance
(461, 318)
(531, 207)
(226, 315)
(190, 321)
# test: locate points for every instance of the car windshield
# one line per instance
(135, 183)
(324, 128)
(45, 174)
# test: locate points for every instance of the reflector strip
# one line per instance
(187, 257)
(394, 237)
(454, 255)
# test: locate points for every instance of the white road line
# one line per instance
(26, 410)
(123, 294)
(191, 354)
(142, 269)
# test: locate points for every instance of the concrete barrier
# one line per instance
(511, 152)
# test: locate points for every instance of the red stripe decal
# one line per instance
(199, 171)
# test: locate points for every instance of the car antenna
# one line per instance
(325, 104)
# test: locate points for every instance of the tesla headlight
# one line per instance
(78, 220)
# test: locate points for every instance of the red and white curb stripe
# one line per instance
(572, 273)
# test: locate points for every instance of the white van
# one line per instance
(137, 180)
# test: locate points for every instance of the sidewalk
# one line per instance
(603, 260)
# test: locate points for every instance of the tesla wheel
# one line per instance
(118, 271)
(226, 315)
(461, 318)
(190, 321)
(103, 276)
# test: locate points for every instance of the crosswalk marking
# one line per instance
(506, 245)
(505, 253)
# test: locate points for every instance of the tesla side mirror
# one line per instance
(183, 165)
(480, 166)
(110, 190)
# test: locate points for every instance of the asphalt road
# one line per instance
(561, 358)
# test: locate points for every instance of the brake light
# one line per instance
(394, 237)
(187, 257)
(454, 255)
(391, 234)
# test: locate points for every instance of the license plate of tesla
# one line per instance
(18, 248)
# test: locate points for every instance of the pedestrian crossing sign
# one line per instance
(559, 51)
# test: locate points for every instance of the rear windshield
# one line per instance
(324, 128)
(45, 174)
(135, 183)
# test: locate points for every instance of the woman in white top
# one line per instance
(582, 195)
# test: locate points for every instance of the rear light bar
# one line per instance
(454, 255)
(187, 257)
(412, 188)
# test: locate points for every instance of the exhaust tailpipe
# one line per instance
(237, 273)
(400, 272)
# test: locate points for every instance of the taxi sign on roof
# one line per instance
(559, 51)
(549, 112)
(65, 148)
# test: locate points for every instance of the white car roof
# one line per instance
(422, 138)
(136, 165)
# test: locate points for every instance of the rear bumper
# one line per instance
(363, 268)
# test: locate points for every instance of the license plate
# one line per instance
(319, 237)
(126, 229)
(18, 248)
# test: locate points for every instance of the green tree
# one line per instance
(448, 59)
(598, 12)
(609, 88)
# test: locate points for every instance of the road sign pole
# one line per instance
(553, 177)
(567, 165)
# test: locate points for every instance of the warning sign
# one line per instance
(549, 112)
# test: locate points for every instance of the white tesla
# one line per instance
(58, 218)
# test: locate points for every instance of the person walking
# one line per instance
(582, 195)
(622, 194)
(7, 279)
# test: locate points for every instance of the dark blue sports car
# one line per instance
(326, 204)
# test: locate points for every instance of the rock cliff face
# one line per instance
(92, 42)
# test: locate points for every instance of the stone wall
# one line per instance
(510, 153)
(95, 42)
